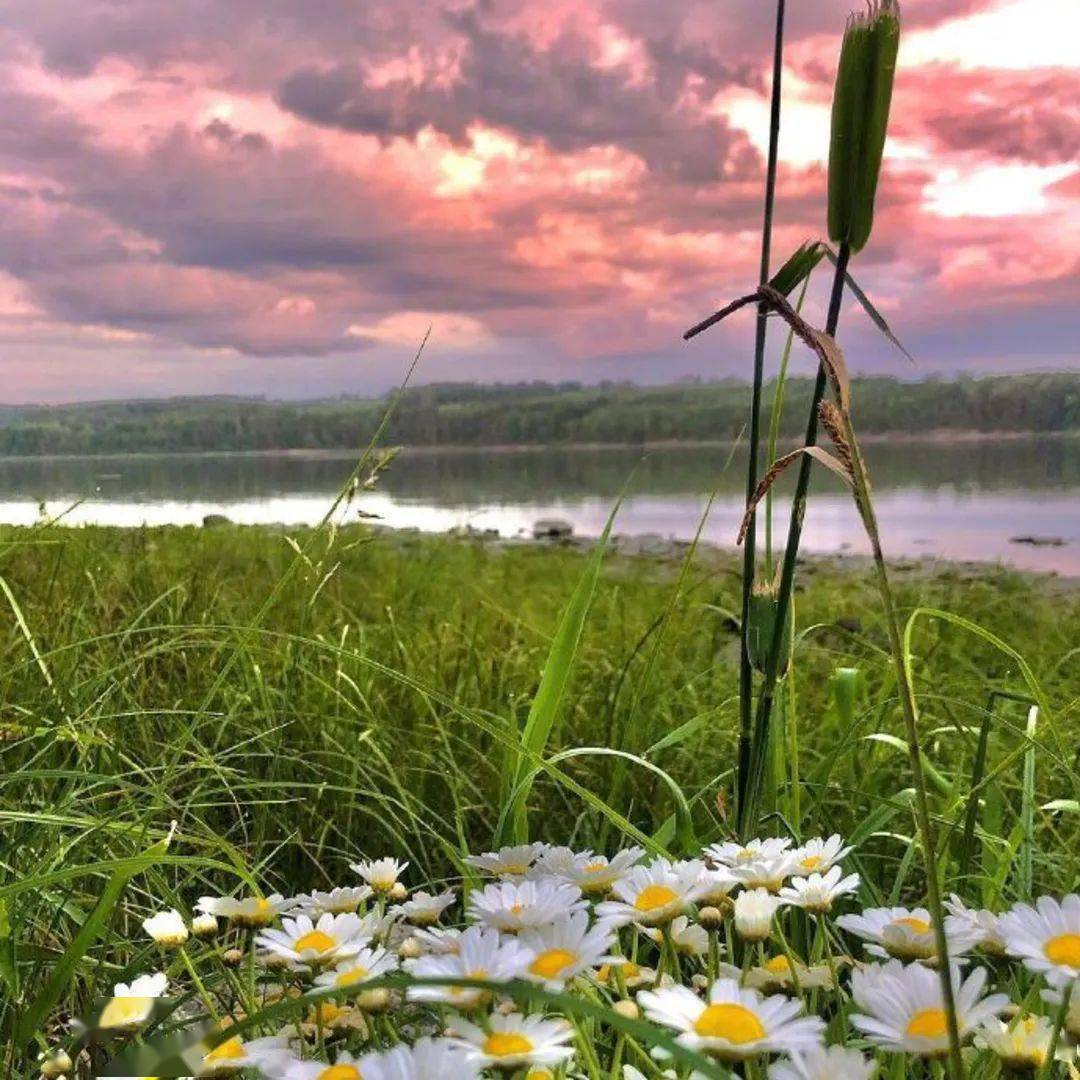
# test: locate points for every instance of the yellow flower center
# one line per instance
(1064, 950)
(230, 1050)
(341, 1072)
(517, 909)
(811, 862)
(500, 1044)
(655, 896)
(315, 941)
(353, 975)
(778, 965)
(916, 926)
(126, 1011)
(326, 1012)
(733, 1023)
(552, 963)
(596, 867)
(928, 1024)
(515, 870)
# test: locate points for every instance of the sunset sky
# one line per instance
(278, 196)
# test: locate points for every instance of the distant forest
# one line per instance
(465, 414)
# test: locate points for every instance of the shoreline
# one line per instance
(936, 437)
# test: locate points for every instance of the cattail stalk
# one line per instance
(746, 670)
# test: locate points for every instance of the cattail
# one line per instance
(860, 118)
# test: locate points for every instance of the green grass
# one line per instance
(377, 706)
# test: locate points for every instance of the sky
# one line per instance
(280, 196)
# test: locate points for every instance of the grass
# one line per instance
(348, 722)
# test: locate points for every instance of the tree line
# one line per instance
(467, 414)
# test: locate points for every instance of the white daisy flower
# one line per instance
(1072, 1017)
(251, 913)
(422, 908)
(566, 948)
(776, 974)
(594, 875)
(366, 965)
(754, 913)
(270, 1055)
(510, 862)
(654, 894)
(167, 928)
(904, 934)
(717, 885)
(204, 926)
(514, 1041)
(306, 944)
(1046, 937)
(732, 854)
(733, 1024)
(381, 874)
(1021, 1045)
(818, 855)
(338, 901)
(439, 940)
(346, 1067)
(632, 975)
(132, 1004)
(817, 892)
(903, 1009)
(824, 1063)
(481, 954)
(983, 925)
(689, 938)
(767, 871)
(520, 905)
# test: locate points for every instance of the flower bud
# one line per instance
(374, 1001)
(398, 892)
(233, 957)
(55, 1065)
(627, 1009)
(860, 119)
(410, 949)
(754, 911)
(761, 624)
(711, 918)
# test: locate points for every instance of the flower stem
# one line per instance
(758, 747)
(746, 670)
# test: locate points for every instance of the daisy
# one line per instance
(346, 1067)
(566, 948)
(904, 934)
(381, 874)
(269, 1054)
(734, 1024)
(818, 855)
(754, 912)
(251, 913)
(514, 1041)
(717, 884)
(903, 1008)
(132, 1005)
(423, 909)
(329, 1016)
(442, 941)
(1046, 937)
(767, 871)
(306, 944)
(1072, 1017)
(167, 928)
(512, 906)
(824, 1063)
(732, 854)
(511, 862)
(653, 895)
(339, 901)
(817, 892)
(367, 964)
(689, 938)
(1022, 1045)
(632, 975)
(981, 924)
(594, 875)
(776, 974)
(483, 955)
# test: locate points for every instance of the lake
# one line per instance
(953, 500)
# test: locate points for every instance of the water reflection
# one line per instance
(955, 500)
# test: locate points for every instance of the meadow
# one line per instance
(339, 804)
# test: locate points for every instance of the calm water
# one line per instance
(962, 501)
